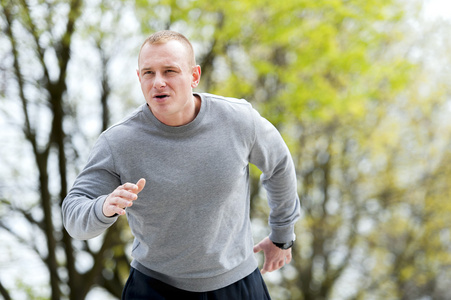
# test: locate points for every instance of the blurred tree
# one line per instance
(410, 244)
(38, 41)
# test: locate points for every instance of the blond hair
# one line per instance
(164, 36)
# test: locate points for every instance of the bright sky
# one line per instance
(436, 9)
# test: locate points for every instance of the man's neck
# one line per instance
(188, 115)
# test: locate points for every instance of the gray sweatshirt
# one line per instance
(191, 221)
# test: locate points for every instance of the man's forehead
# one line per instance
(165, 60)
(170, 52)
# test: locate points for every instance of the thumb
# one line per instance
(257, 248)
(140, 184)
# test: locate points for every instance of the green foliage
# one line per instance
(305, 59)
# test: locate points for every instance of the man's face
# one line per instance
(167, 77)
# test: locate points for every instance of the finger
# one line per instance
(119, 194)
(288, 259)
(110, 210)
(121, 199)
(114, 209)
(121, 202)
(266, 269)
(128, 186)
(257, 248)
(117, 204)
(266, 266)
(140, 184)
(263, 270)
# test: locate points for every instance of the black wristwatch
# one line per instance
(284, 246)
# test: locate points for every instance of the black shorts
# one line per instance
(140, 286)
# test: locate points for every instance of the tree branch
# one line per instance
(39, 50)
(4, 292)
(28, 131)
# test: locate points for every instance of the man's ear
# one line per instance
(196, 76)
(137, 73)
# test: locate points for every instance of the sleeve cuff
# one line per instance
(98, 209)
(282, 235)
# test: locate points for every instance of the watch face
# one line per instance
(284, 246)
(288, 245)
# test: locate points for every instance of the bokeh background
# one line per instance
(360, 90)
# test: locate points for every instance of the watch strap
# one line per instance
(284, 246)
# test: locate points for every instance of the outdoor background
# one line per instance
(360, 90)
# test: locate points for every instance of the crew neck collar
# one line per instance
(178, 129)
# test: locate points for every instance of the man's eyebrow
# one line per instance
(164, 67)
(171, 67)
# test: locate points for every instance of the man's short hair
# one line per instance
(164, 36)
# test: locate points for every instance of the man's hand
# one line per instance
(122, 197)
(275, 258)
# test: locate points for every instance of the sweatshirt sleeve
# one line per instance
(271, 155)
(82, 212)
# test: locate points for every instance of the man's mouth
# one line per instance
(161, 96)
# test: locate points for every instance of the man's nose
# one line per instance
(159, 81)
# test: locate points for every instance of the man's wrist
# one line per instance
(284, 246)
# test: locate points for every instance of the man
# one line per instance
(186, 156)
